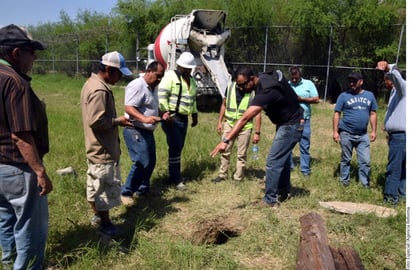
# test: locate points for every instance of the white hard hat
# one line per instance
(186, 60)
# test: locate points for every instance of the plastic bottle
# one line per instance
(255, 152)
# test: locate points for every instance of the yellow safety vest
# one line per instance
(233, 112)
(169, 89)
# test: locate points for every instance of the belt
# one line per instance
(139, 129)
(179, 116)
(395, 132)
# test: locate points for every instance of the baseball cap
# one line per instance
(355, 75)
(13, 35)
(115, 59)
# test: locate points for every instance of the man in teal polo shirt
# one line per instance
(307, 95)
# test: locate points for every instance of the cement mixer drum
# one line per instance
(202, 33)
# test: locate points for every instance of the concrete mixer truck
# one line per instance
(202, 33)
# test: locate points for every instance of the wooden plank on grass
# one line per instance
(353, 208)
(346, 258)
(314, 252)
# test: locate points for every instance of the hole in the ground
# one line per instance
(223, 237)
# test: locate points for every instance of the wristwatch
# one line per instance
(116, 121)
(225, 140)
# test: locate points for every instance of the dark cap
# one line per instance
(13, 35)
(355, 75)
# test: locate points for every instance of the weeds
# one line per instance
(157, 231)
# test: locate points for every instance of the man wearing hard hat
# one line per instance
(177, 100)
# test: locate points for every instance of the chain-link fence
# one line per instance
(326, 61)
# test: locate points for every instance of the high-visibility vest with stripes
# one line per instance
(233, 112)
(169, 88)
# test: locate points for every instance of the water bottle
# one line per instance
(255, 152)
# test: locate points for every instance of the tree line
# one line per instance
(366, 28)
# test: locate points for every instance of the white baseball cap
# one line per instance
(115, 59)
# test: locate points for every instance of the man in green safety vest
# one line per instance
(177, 101)
(234, 104)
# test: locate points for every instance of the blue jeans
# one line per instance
(142, 151)
(175, 134)
(362, 145)
(304, 147)
(278, 161)
(396, 168)
(24, 217)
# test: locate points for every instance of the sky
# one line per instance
(34, 12)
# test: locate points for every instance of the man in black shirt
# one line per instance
(280, 102)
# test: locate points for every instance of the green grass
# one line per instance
(157, 233)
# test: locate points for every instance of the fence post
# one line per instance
(400, 43)
(266, 48)
(328, 65)
(77, 55)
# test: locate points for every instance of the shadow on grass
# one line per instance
(145, 214)
(85, 241)
(253, 173)
(148, 210)
(353, 173)
(197, 170)
(381, 179)
(80, 241)
(299, 192)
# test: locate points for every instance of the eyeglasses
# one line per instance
(243, 85)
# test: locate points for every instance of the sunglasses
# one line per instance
(242, 85)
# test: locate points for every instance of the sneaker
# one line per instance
(306, 176)
(95, 220)
(284, 196)
(127, 200)
(367, 186)
(218, 179)
(109, 230)
(393, 200)
(181, 186)
(345, 184)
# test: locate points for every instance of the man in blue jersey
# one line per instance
(353, 110)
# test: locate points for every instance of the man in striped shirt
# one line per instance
(24, 141)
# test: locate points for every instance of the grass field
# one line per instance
(161, 232)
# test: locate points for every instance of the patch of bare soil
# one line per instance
(217, 230)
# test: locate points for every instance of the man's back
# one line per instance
(98, 111)
(278, 100)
